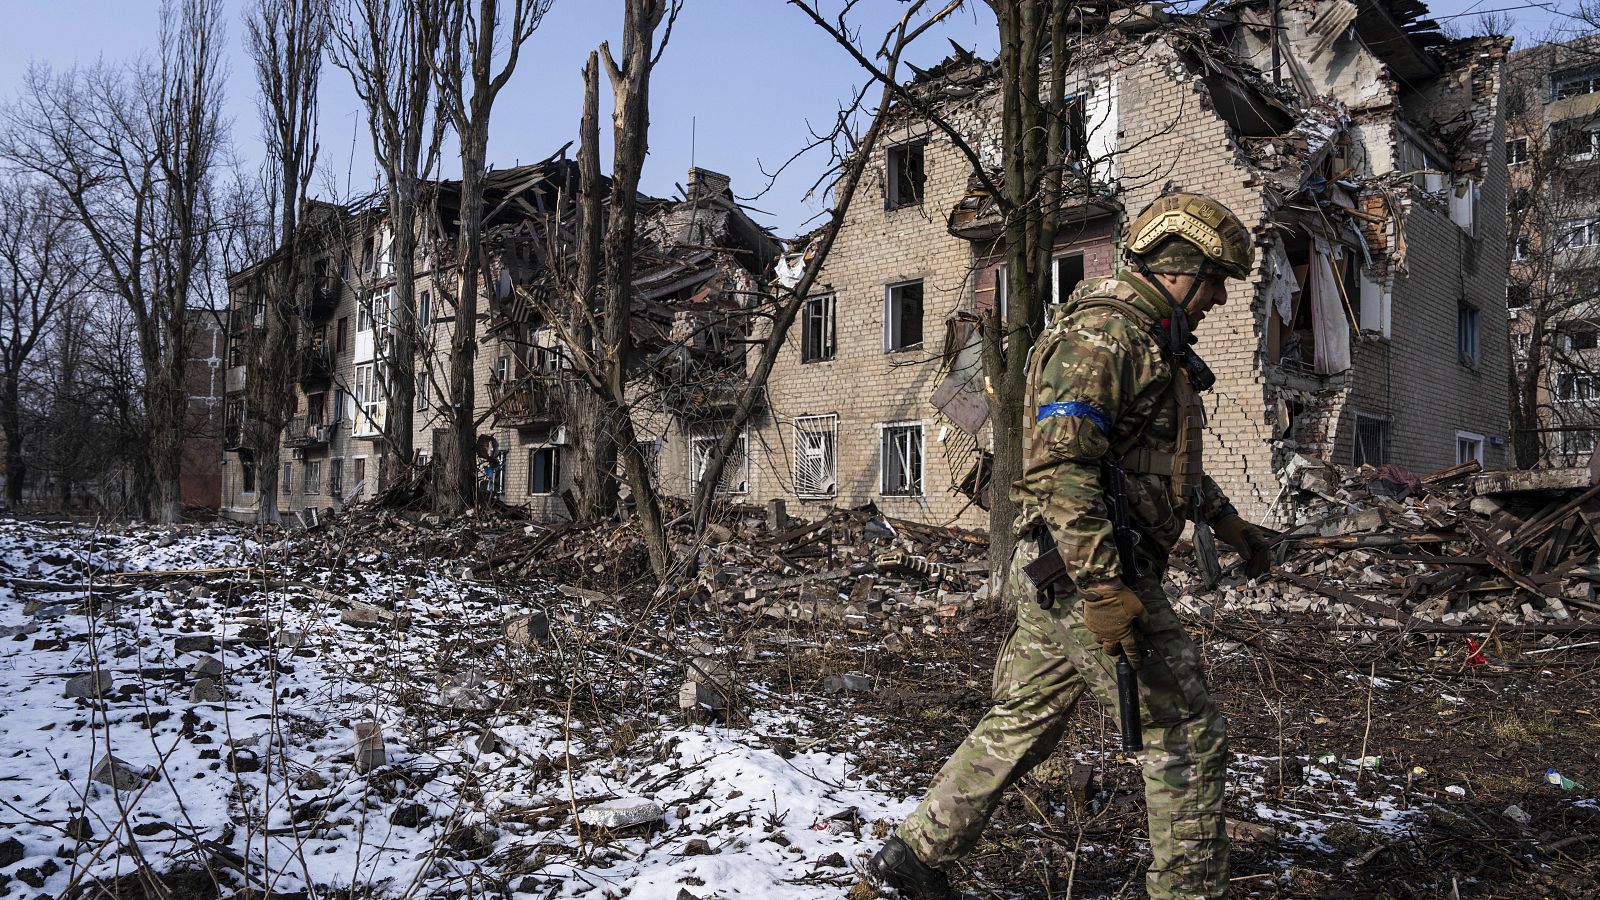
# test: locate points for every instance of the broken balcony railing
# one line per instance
(306, 432)
(527, 402)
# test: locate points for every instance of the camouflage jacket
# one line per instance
(1097, 381)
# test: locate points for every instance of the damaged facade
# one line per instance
(699, 258)
(1553, 155)
(1365, 152)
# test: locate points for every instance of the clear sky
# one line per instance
(737, 90)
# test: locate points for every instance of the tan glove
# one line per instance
(1116, 615)
(1251, 541)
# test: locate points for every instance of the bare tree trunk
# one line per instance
(595, 472)
(464, 73)
(285, 42)
(387, 46)
(11, 424)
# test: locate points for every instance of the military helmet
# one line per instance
(1196, 220)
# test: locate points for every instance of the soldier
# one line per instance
(1113, 415)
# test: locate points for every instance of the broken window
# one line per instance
(1467, 335)
(369, 253)
(1574, 84)
(1464, 205)
(735, 471)
(817, 340)
(424, 310)
(1375, 302)
(906, 178)
(1420, 163)
(815, 464)
(1518, 296)
(360, 474)
(288, 478)
(1516, 151)
(1372, 440)
(422, 391)
(342, 334)
(1577, 233)
(313, 482)
(902, 319)
(1067, 274)
(902, 460)
(316, 408)
(1521, 343)
(1575, 141)
(247, 473)
(1469, 447)
(1077, 128)
(336, 477)
(1521, 248)
(501, 373)
(1577, 444)
(1002, 290)
(544, 469)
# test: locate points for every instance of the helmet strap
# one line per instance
(1178, 337)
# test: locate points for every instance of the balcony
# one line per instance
(323, 297)
(315, 363)
(709, 398)
(531, 402)
(233, 437)
(233, 380)
(308, 433)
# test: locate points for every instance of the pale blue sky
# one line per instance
(749, 75)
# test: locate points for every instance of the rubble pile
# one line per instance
(867, 572)
(1456, 548)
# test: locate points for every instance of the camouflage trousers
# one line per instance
(1049, 660)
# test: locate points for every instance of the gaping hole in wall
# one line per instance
(1313, 287)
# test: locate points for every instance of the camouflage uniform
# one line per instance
(1098, 385)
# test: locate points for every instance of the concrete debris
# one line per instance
(530, 630)
(1386, 547)
(118, 774)
(205, 690)
(621, 815)
(370, 752)
(89, 686)
(208, 667)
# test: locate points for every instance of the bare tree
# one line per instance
(134, 150)
(43, 269)
(386, 46)
(285, 41)
(468, 83)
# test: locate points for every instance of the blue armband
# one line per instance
(1076, 408)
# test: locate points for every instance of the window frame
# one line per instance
(919, 487)
(1471, 437)
(554, 484)
(829, 456)
(1384, 434)
(311, 477)
(336, 477)
(697, 466)
(896, 157)
(822, 309)
(1055, 274)
(893, 319)
(288, 479)
(1521, 154)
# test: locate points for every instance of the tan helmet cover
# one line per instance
(1197, 220)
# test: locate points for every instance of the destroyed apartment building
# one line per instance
(1553, 291)
(1362, 146)
(699, 258)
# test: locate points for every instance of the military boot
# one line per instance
(896, 872)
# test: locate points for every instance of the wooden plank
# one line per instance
(1502, 561)
(1512, 481)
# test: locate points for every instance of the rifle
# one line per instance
(1048, 570)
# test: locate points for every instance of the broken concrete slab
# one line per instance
(207, 667)
(621, 815)
(694, 695)
(529, 630)
(1511, 481)
(118, 774)
(370, 753)
(205, 690)
(195, 643)
(852, 682)
(89, 685)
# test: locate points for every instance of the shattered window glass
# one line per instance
(906, 176)
(903, 317)
(902, 460)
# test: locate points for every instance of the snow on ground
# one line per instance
(490, 745)
(263, 784)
